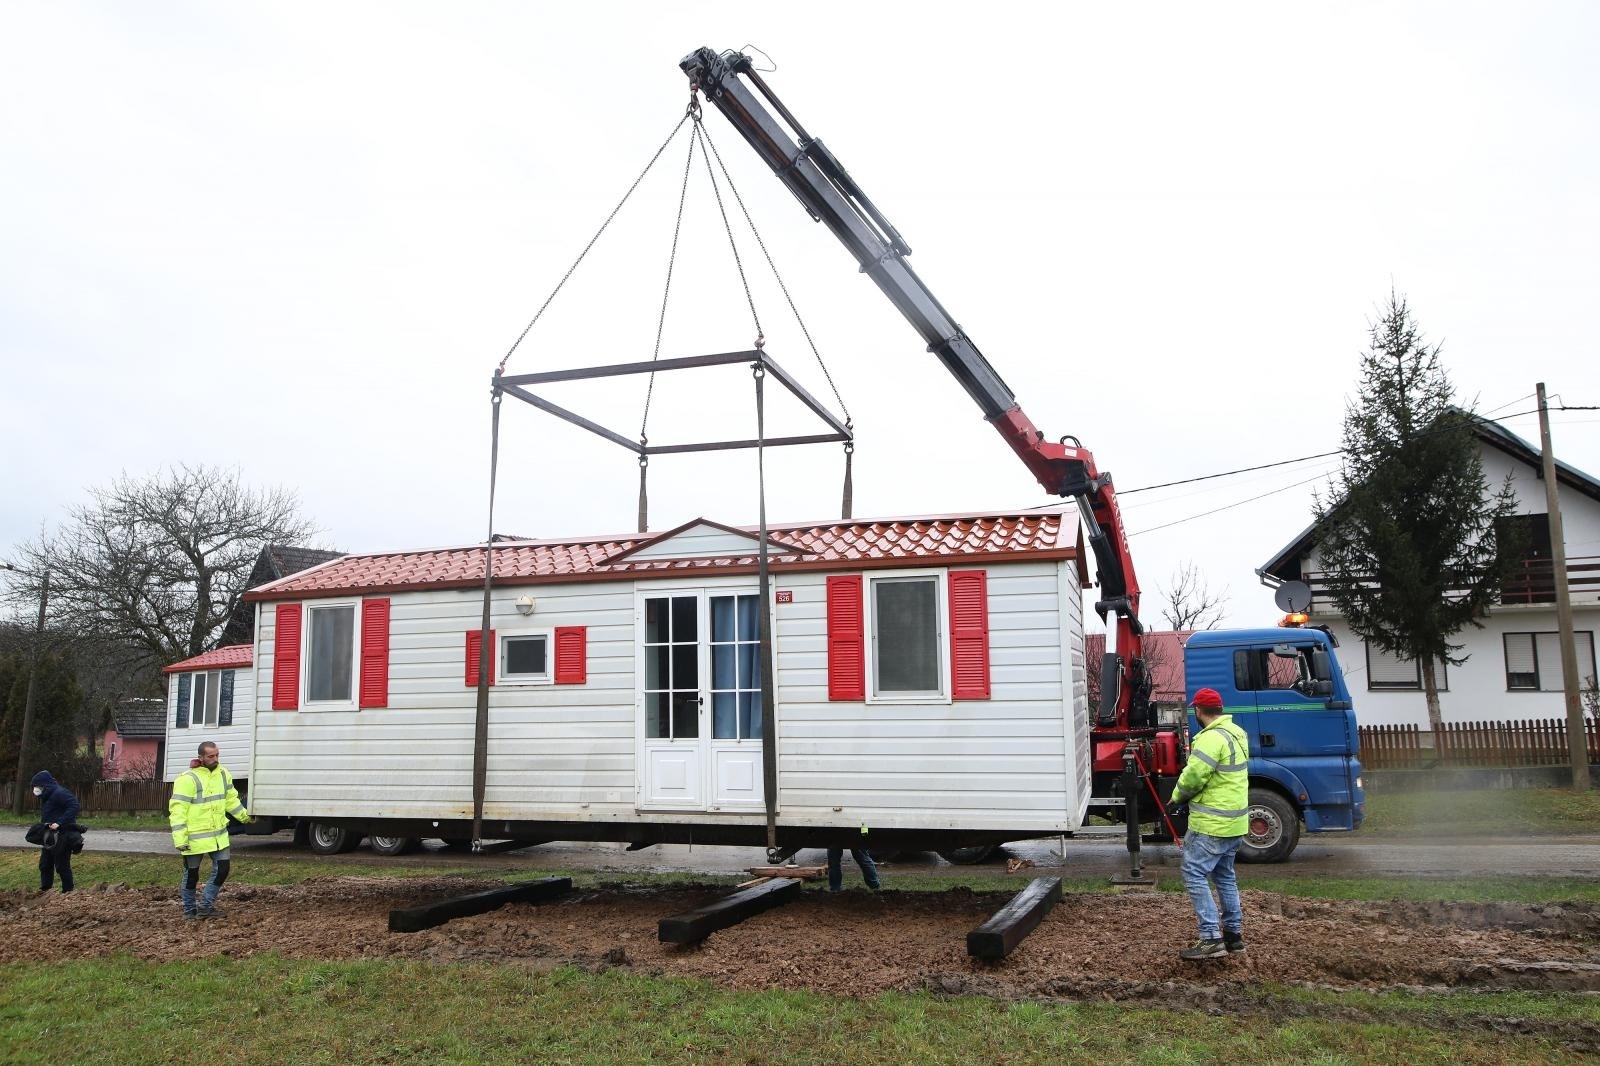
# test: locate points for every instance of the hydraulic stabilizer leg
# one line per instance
(1130, 790)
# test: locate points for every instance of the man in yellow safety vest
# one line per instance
(203, 797)
(1215, 785)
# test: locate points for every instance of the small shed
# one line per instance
(928, 674)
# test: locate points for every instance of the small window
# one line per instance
(525, 657)
(907, 637)
(207, 695)
(113, 755)
(1533, 660)
(1388, 672)
(331, 647)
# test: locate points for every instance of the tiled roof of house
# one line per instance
(1163, 650)
(832, 546)
(140, 718)
(223, 658)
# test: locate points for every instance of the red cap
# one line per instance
(1209, 698)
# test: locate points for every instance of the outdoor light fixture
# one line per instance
(524, 604)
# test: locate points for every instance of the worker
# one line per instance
(58, 813)
(1215, 786)
(863, 858)
(203, 798)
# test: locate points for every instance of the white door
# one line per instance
(700, 701)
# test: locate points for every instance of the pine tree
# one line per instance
(1408, 531)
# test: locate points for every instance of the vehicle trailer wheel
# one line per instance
(328, 839)
(970, 856)
(1274, 828)
(387, 845)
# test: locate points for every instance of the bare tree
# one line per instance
(1190, 602)
(154, 566)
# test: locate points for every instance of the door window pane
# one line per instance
(685, 623)
(906, 634)
(750, 715)
(332, 649)
(722, 671)
(657, 719)
(723, 722)
(685, 667)
(685, 715)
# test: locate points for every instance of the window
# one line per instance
(207, 695)
(735, 668)
(672, 667)
(330, 654)
(525, 657)
(1533, 660)
(907, 629)
(113, 756)
(1388, 672)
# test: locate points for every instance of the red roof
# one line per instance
(219, 659)
(847, 545)
(1163, 650)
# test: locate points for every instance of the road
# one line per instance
(1327, 856)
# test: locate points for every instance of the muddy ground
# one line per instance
(1096, 947)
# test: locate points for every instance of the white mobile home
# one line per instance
(928, 673)
(209, 697)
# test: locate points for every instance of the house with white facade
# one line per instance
(1512, 670)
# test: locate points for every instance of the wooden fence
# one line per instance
(107, 797)
(1533, 743)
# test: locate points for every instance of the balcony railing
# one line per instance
(1533, 583)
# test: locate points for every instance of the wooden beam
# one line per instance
(999, 936)
(428, 915)
(696, 925)
(804, 873)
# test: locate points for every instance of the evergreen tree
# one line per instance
(1408, 532)
(54, 741)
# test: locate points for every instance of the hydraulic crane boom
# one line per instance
(826, 190)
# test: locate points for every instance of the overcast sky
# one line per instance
(296, 239)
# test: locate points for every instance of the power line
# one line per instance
(1226, 507)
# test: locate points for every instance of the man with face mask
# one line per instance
(203, 797)
(58, 809)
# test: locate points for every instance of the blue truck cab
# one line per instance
(1284, 687)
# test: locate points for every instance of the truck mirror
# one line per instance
(1286, 651)
(1321, 664)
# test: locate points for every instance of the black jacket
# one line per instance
(56, 803)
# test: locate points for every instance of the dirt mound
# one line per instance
(1090, 947)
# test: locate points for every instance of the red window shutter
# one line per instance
(374, 653)
(572, 655)
(286, 658)
(847, 673)
(969, 634)
(475, 654)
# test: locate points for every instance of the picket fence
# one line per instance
(1541, 742)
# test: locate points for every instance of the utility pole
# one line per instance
(27, 705)
(1577, 738)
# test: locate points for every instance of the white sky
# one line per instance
(295, 239)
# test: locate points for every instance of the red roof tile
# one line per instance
(219, 659)
(846, 545)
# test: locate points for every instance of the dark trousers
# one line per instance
(869, 869)
(56, 859)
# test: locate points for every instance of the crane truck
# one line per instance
(1283, 685)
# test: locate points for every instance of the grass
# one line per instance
(96, 821)
(271, 1009)
(1483, 812)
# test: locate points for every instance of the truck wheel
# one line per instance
(970, 856)
(384, 845)
(328, 839)
(1274, 828)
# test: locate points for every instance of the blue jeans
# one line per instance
(1206, 856)
(191, 879)
(869, 869)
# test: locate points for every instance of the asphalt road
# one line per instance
(1325, 856)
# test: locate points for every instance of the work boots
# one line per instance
(1232, 942)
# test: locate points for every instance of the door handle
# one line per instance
(1268, 740)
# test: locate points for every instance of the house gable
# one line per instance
(702, 538)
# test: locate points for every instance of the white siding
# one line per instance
(233, 741)
(1016, 761)
(701, 542)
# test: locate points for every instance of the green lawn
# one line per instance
(1489, 812)
(265, 1009)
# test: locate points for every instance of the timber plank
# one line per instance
(428, 915)
(694, 926)
(999, 936)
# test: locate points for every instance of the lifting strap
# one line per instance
(480, 733)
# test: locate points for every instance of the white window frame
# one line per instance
(1441, 674)
(306, 703)
(504, 676)
(941, 636)
(1554, 683)
(212, 679)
